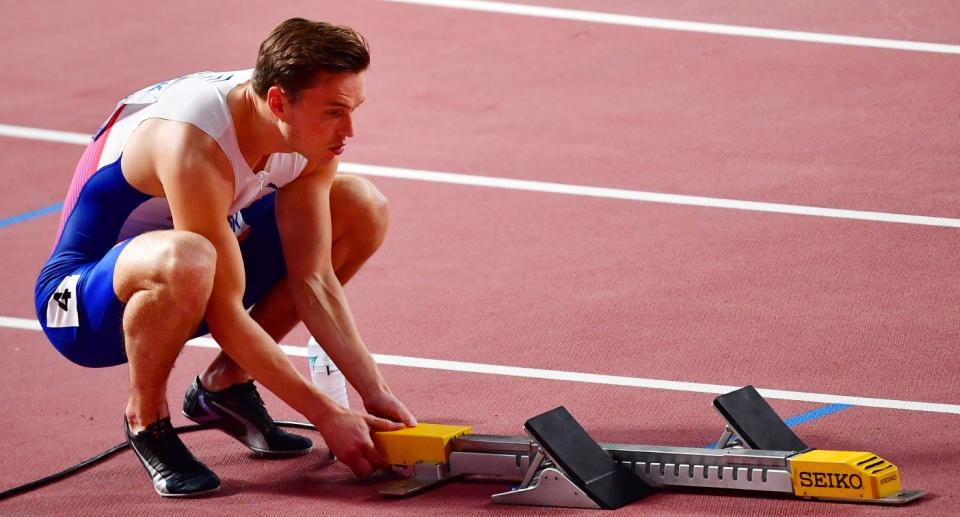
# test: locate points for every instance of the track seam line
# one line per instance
(590, 378)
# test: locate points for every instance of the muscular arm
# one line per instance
(186, 166)
(303, 218)
(198, 182)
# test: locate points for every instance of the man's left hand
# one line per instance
(385, 405)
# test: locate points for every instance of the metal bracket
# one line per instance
(532, 469)
(902, 497)
(545, 484)
(550, 488)
(425, 475)
(730, 440)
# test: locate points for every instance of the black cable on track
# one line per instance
(85, 464)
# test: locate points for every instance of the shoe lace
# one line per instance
(170, 455)
(254, 403)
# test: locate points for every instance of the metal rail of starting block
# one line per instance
(560, 465)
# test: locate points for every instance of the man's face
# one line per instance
(319, 123)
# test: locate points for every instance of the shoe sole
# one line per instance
(188, 496)
(278, 454)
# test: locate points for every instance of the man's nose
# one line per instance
(346, 126)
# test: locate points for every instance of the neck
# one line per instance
(256, 129)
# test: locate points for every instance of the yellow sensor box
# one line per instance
(843, 475)
(425, 442)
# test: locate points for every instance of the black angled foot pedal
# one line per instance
(584, 462)
(755, 422)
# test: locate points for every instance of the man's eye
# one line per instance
(334, 113)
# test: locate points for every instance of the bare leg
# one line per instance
(360, 218)
(165, 279)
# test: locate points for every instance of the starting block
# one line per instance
(559, 464)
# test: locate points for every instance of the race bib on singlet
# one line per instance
(62, 305)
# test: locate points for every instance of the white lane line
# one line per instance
(591, 378)
(568, 189)
(637, 195)
(685, 26)
(48, 135)
(19, 323)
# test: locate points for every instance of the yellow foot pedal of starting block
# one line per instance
(425, 442)
(847, 476)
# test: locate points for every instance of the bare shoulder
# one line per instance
(164, 150)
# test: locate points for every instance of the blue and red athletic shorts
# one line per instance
(74, 297)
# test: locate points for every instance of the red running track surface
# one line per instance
(542, 280)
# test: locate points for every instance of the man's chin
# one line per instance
(323, 158)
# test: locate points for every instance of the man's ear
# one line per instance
(277, 101)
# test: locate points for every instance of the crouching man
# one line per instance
(199, 198)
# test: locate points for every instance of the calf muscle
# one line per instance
(165, 280)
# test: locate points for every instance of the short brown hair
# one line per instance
(297, 50)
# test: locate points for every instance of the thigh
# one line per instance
(82, 315)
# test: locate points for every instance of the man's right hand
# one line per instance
(347, 434)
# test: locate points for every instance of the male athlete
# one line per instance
(199, 198)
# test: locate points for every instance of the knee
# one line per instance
(363, 211)
(187, 262)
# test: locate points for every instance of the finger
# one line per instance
(376, 459)
(407, 418)
(352, 463)
(382, 424)
(360, 466)
(402, 414)
(395, 413)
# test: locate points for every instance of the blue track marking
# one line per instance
(30, 215)
(803, 418)
(816, 413)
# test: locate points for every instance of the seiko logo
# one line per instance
(830, 480)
